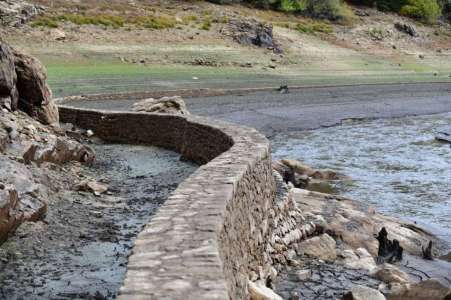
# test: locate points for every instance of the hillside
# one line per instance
(105, 46)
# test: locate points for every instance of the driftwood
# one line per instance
(389, 251)
(427, 252)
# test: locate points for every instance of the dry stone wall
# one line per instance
(210, 234)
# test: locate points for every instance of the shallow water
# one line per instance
(396, 164)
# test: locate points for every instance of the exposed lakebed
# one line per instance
(396, 165)
(81, 250)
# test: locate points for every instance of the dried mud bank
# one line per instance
(80, 249)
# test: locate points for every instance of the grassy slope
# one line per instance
(88, 62)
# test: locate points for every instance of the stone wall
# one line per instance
(213, 231)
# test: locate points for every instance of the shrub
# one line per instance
(314, 27)
(206, 25)
(102, 19)
(154, 22)
(424, 10)
(45, 22)
(334, 10)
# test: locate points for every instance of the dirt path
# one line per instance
(80, 250)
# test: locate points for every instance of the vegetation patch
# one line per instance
(107, 20)
(426, 11)
(314, 27)
(307, 26)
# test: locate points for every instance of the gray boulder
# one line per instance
(252, 32)
(35, 97)
(23, 86)
(166, 105)
(8, 78)
(407, 29)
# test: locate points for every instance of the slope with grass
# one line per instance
(99, 46)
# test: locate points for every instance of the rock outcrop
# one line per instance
(252, 32)
(59, 150)
(23, 86)
(166, 105)
(31, 161)
(35, 97)
(9, 96)
(17, 12)
(303, 176)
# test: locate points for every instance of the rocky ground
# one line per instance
(80, 249)
(70, 205)
(207, 38)
(344, 258)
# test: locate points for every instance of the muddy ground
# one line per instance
(80, 250)
(273, 113)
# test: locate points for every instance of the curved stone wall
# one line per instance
(213, 231)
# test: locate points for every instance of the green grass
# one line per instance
(314, 27)
(206, 25)
(108, 20)
(45, 22)
(307, 26)
(88, 77)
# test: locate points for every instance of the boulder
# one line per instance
(389, 273)
(406, 28)
(22, 196)
(59, 150)
(167, 105)
(430, 289)
(356, 224)
(360, 259)
(258, 291)
(91, 186)
(9, 95)
(302, 169)
(321, 247)
(363, 293)
(35, 97)
(9, 214)
(58, 34)
(252, 32)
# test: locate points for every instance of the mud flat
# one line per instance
(80, 250)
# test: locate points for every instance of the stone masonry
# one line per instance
(231, 221)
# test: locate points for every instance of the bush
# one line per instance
(426, 11)
(334, 10)
(105, 20)
(154, 22)
(314, 27)
(423, 10)
(45, 22)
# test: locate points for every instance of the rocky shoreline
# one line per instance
(342, 259)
